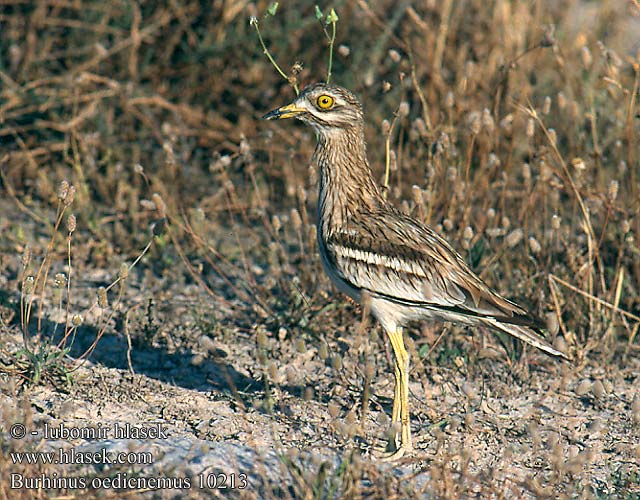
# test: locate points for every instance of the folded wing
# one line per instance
(390, 255)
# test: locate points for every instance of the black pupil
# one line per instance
(325, 101)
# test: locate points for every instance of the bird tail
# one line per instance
(526, 334)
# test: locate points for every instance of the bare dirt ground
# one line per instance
(159, 271)
(292, 420)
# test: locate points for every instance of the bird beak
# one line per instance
(288, 111)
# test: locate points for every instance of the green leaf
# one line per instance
(332, 17)
(319, 14)
(272, 9)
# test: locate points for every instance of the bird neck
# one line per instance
(347, 184)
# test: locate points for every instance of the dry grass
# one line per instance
(513, 128)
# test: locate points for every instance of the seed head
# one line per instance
(469, 69)
(506, 124)
(123, 273)
(308, 393)
(59, 280)
(549, 36)
(493, 161)
(562, 100)
(531, 127)
(417, 194)
(583, 387)
(578, 164)
(488, 122)
(336, 362)
(63, 189)
(15, 56)
(403, 109)
(261, 339)
(71, 224)
(170, 157)
(296, 219)
(27, 285)
(395, 56)
(552, 323)
(275, 222)
(272, 369)
(449, 100)
(469, 420)
(147, 204)
(534, 245)
(385, 127)
(393, 161)
(469, 390)
(26, 256)
(296, 69)
(474, 121)
(369, 370)
(622, 167)
(587, 58)
(334, 409)
(160, 204)
(103, 300)
(421, 127)
(598, 389)
(323, 351)
(545, 171)
(514, 237)
(452, 173)
(613, 58)
(613, 190)
(71, 193)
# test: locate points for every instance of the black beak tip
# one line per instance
(272, 115)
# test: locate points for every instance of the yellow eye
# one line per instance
(324, 101)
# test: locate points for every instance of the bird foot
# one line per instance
(392, 451)
(384, 455)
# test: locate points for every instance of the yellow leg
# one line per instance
(401, 395)
(395, 415)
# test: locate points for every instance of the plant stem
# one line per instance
(272, 60)
(387, 151)
(331, 42)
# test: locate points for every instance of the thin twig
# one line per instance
(387, 152)
(585, 212)
(331, 42)
(594, 298)
(265, 50)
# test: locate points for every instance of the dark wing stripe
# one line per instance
(521, 320)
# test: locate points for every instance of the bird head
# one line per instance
(325, 107)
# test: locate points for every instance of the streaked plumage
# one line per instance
(368, 247)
